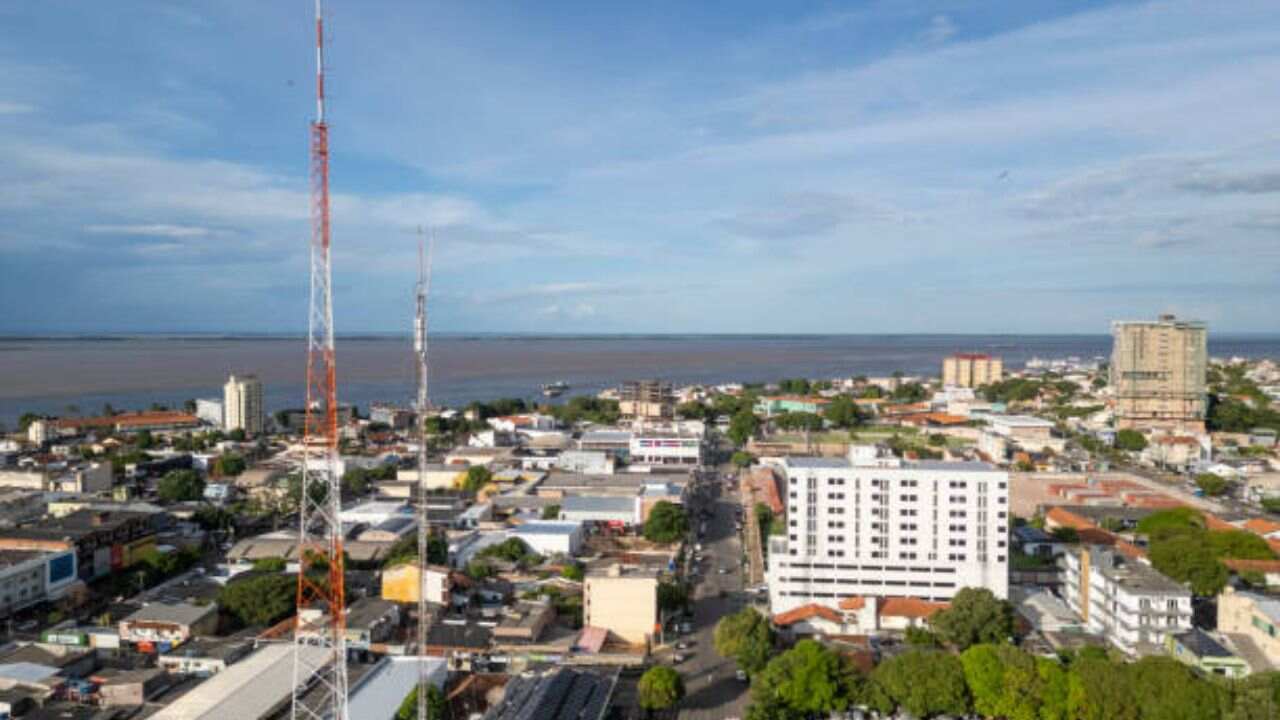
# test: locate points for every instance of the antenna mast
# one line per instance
(320, 650)
(421, 291)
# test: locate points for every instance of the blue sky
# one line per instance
(645, 167)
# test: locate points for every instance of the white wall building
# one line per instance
(242, 404)
(875, 526)
(551, 538)
(210, 411)
(666, 448)
(1126, 600)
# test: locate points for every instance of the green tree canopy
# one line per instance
(229, 465)
(261, 600)
(1170, 521)
(694, 410)
(181, 486)
(660, 688)
(437, 709)
(806, 681)
(1187, 559)
(551, 512)
(477, 477)
(975, 616)
(1131, 440)
(922, 682)
(1212, 485)
(667, 523)
(746, 638)
(842, 412)
(742, 459)
(742, 427)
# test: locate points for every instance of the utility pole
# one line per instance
(421, 291)
(319, 637)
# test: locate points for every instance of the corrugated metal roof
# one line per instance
(247, 690)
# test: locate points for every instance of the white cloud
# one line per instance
(155, 230)
(940, 29)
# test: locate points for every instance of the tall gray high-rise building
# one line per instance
(1158, 374)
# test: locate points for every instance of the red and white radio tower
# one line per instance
(320, 650)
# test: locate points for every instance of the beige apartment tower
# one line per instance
(242, 404)
(646, 400)
(971, 370)
(1158, 374)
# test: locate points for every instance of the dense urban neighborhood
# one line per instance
(1076, 538)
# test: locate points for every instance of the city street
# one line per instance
(712, 690)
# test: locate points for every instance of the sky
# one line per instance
(741, 167)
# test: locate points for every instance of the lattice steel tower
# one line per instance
(320, 651)
(421, 291)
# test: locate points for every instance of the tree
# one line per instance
(1212, 485)
(742, 427)
(261, 600)
(437, 709)
(693, 410)
(143, 440)
(745, 637)
(1130, 440)
(805, 681)
(181, 486)
(921, 682)
(667, 523)
(910, 392)
(573, 571)
(229, 465)
(798, 421)
(1066, 534)
(551, 512)
(25, 420)
(921, 637)
(742, 459)
(975, 616)
(1162, 523)
(477, 477)
(842, 412)
(672, 596)
(660, 688)
(1188, 559)
(1004, 682)
(236, 435)
(269, 564)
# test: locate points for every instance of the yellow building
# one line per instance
(971, 370)
(1254, 616)
(1158, 374)
(623, 602)
(400, 584)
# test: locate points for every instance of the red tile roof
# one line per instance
(1062, 517)
(853, 603)
(910, 607)
(1262, 566)
(806, 612)
(1262, 526)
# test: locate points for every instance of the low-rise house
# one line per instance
(558, 694)
(1034, 541)
(524, 622)
(203, 657)
(618, 511)
(162, 626)
(592, 462)
(1198, 649)
(129, 687)
(666, 448)
(485, 456)
(103, 540)
(448, 637)
(551, 538)
(370, 621)
(400, 584)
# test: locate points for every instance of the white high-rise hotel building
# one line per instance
(242, 404)
(870, 525)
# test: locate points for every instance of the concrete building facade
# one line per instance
(622, 601)
(1253, 615)
(868, 525)
(1125, 599)
(242, 407)
(971, 370)
(646, 400)
(1158, 374)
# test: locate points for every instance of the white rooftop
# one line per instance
(247, 690)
